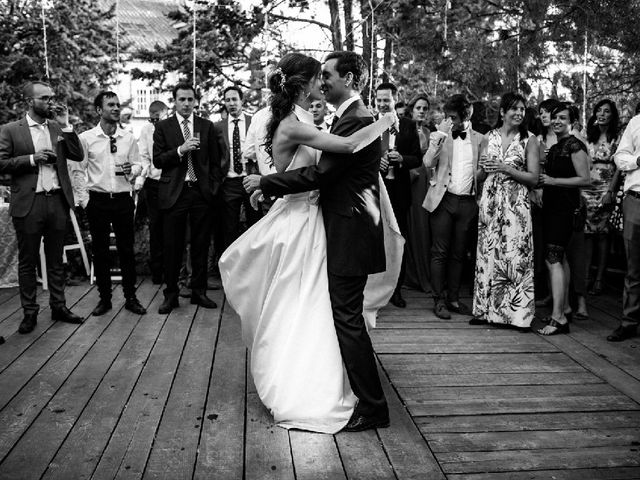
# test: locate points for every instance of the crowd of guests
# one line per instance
(528, 202)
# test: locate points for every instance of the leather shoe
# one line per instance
(623, 333)
(202, 300)
(461, 309)
(169, 304)
(103, 307)
(63, 314)
(133, 305)
(397, 300)
(477, 321)
(358, 423)
(28, 322)
(441, 311)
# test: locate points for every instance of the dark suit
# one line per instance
(179, 200)
(399, 188)
(350, 200)
(233, 194)
(38, 216)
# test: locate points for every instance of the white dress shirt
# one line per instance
(41, 139)
(254, 143)
(101, 165)
(145, 146)
(627, 154)
(242, 128)
(461, 181)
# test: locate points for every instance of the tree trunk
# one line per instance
(348, 23)
(336, 30)
(386, 61)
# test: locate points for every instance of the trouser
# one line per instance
(47, 220)
(233, 197)
(450, 224)
(155, 226)
(631, 234)
(105, 211)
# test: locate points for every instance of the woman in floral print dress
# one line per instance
(503, 290)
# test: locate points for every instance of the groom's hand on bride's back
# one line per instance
(251, 183)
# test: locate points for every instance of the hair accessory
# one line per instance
(283, 77)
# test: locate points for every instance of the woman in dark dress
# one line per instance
(566, 171)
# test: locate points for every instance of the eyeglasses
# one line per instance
(46, 99)
(112, 144)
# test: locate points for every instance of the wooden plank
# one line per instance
(616, 473)
(174, 448)
(363, 456)
(532, 440)
(81, 450)
(20, 412)
(35, 449)
(128, 449)
(529, 421)
(548, 459)
(406, 323)
(268, 451)
(7, 293)
(470, 347)
(315, 456)
(497, 379)
(221, 448)
(408, 453)
(11, 310)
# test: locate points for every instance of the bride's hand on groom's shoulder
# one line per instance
(251, 183)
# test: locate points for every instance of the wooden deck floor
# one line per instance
(168, 397)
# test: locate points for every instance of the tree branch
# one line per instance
(304, 20)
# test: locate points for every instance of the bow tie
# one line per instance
(462, 134)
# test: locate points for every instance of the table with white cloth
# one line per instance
(8, 249)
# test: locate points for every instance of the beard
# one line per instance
(43, 112)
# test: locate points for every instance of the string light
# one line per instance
(44, 36)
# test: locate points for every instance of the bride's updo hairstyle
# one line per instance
(291, 76)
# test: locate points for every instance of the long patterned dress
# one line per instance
(602, 172)
(503, 290)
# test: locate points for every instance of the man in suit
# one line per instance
(454, 152)
(34, 151)
(350, 201)
(188, 149)
(319, 110)
(400, 153)
(234, 169)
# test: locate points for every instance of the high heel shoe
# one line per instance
(559, 327)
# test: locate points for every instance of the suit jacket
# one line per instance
(16, 146)
(349, 196)
(439, 156)
(223, 125)
(408, 145)
(167, 137)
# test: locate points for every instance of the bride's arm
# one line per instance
(301, 133)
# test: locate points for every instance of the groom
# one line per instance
(350, 202)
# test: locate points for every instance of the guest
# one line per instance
(112, 163)
(233, 196)
(531, 121)
(503, 289)
(401, 109)
(454, 151)
(419, 108)
(602, 137)
(400, 153)
(566, 170)
(627, 159)
(190, 180)
(34, 152)
(150, 179)
(318, 109)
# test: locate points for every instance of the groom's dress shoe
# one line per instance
(397, 300)
(29, 322)
(169, 304)
(202, 300)
(63, 314)
(103, 307)
(358, 423)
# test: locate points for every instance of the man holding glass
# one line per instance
(112, 163)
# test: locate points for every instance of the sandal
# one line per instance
(581, 316)
(559, 327)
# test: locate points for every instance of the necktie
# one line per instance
(237, 164)
(462, 134)
(187, 135)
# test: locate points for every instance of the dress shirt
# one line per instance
(145, 146)
(242, 128)
(340, 111)
(254, 143)
(41, 139)
(627, 154)
(100, 163)
(189, 120)
(461, 181)
(324, 126)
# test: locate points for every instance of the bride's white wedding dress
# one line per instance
(275, 278)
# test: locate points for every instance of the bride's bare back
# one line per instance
(284, 148)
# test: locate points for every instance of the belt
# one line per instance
(50, 193)
(190, 183)
(633, 193)
(466, 195)
(93, 193)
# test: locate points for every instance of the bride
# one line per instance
(275, 275)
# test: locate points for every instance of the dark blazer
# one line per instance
(349, 196)
(15, 148)
(408, 145)
(223, 125)
(167, 137)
